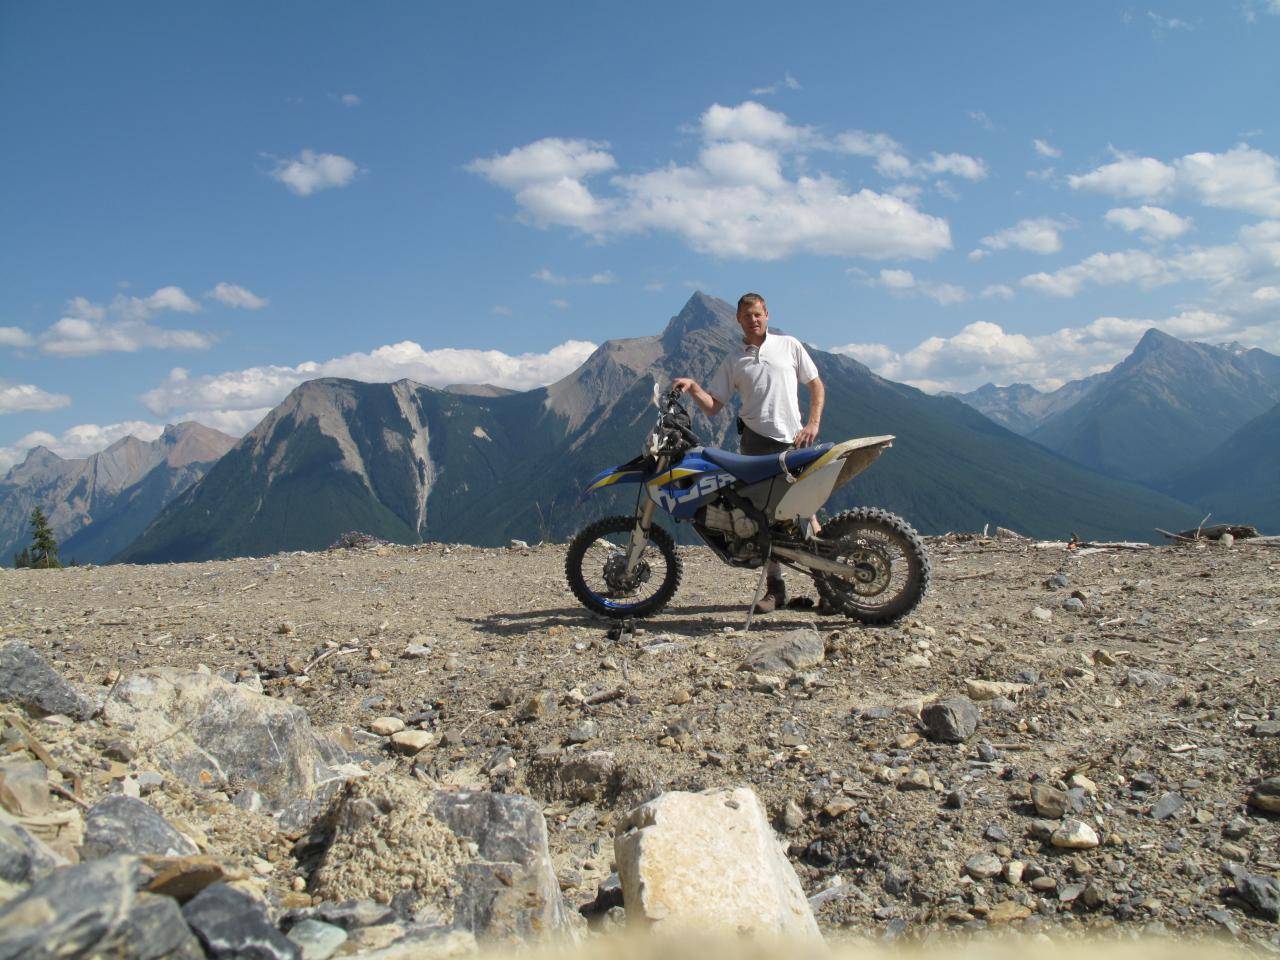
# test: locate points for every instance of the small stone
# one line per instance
(1074, 835)
(1041, 614)
(792, 816)
(1078, 781)
(1007, 911)
(990, 689)
(1238, 827)
(583, 732)
(1073, 605)
(1044, 884)
(24, 788)
(285, 628)
(794, 650)
(1234, 852)
(120, 824)
(1169, 805)
(411, 742)
(1070, 892)
(317, 940)
(1058, 581)
(1266, 795)
(982, 866)
(538, 706)
(916, 661)
(27, 680)
(951, 721)
(1012, 871)
(839, 807)
(1094, 896)
(1049, 801)
(416, 651)
(519, 545)
(386, 726)
(916, 780)
(1261, 893)
(1266, 728)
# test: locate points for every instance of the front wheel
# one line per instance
(890, 568)
(596, 567)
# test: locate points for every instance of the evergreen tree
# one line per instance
(43, 552)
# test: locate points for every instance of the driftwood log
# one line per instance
(1215, 532)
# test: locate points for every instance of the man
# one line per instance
(766, 371)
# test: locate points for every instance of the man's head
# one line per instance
(753, 317)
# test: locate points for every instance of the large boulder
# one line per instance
(216, 734)
(27, 680)
(794, 650)
(509, 891)
(709, 861)
(476, 862)
(24, 857)
(120, 824)
(235, 926)
(95, 910)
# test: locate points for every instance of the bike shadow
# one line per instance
(710, 618)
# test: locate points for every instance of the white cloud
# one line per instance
(1154, 223)
(750, 122)
(256, 389)
(17, 397)
(137, 308)
(735, 200)
(501, 310)
(981, 119)
(600, 279)
(1242, 179)
(984, 352)
(350, 100)
(559, 303)
(86, 329)
(310, 172)
(78, 441)
(1045, 148)
(1035, 235)
(904, 281)
(231, 295)
(997, 291)
(1267, 294)
(1127, 266)
(892, 160)
(15, 337)
(787, 82)
(1161, 24)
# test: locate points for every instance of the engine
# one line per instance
(733, 527)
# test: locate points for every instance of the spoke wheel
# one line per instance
(890, 567)
(596, 567)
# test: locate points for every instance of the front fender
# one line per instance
(633, 471)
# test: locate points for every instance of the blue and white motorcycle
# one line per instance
(866, 563)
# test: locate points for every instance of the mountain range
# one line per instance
(1151, 416)
(406, 462)
(98, 505)
(1195, 424)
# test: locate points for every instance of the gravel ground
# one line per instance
(1143, 705)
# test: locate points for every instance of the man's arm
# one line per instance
(817, 398)
(709, 404)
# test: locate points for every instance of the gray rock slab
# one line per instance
(27, 680)
(317, 940)
(24, 858)
(951, 721)
(232, 924)
(214, 734)
(120, 824)
(94, 910)
(796, 649)
(510, 893)
(1262, 893)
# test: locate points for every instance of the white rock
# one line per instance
(1074, 835)
(706, 861)
(990, 689)
(386, 726)
(1041, 614)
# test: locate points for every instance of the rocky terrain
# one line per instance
(1059, 740)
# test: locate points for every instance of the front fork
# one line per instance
(644, 519)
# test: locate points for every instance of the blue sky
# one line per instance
(206, 204)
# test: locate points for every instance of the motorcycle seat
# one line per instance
(755, 469)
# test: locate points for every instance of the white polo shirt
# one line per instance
(768, 378)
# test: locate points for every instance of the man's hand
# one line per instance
(807, 435)
(709, 404)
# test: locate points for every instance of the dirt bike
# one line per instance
(866, 563)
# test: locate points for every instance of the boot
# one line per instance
(775, 595)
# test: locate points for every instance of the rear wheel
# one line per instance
(889, 566)
(596, 567)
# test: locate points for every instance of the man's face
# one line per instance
(754, 320)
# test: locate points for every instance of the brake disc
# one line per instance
(615, 574)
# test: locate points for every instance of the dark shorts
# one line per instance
(752, 444)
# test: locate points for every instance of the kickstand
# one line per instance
(751, 610)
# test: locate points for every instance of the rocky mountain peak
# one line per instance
(701, 313)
